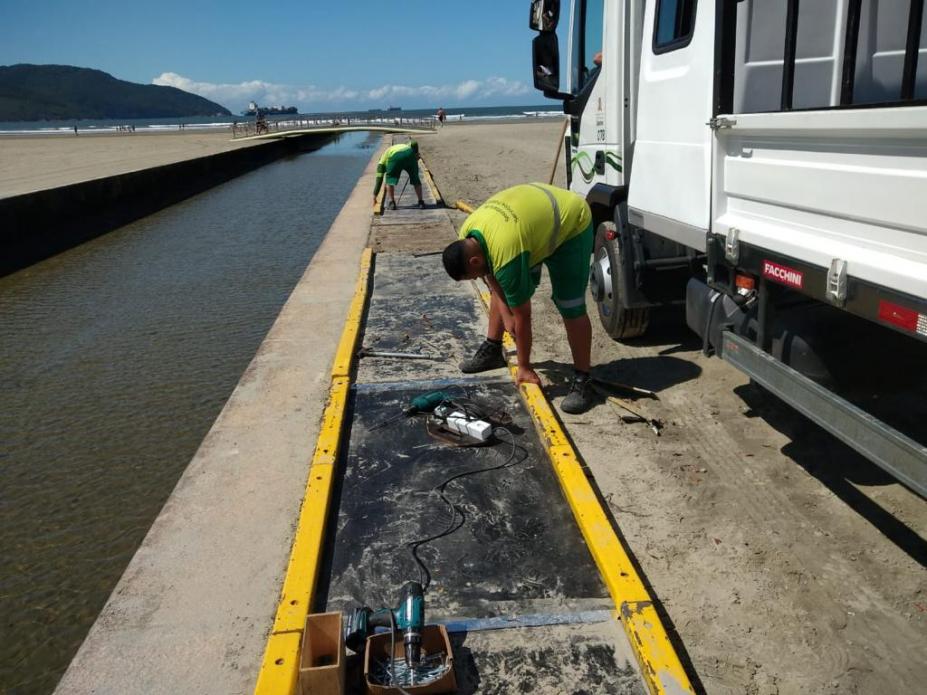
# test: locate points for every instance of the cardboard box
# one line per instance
(434, 639)
(322, 656)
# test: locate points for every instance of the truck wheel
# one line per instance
(618, 321)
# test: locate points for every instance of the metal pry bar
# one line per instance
(368, 352)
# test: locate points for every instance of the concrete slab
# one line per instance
(516, 541)
(547, 661)
(416, 307)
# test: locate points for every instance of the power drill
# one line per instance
(424, 403)
(408, 618)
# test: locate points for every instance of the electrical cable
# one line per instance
(424, 574)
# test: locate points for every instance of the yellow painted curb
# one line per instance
(429, 179)
(464, 205)
(660, 666)
(280, 664)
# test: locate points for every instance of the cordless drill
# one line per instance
(408, 618)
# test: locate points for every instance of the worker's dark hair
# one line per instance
(455, 259)
(414, 145)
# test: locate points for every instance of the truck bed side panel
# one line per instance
(821, 185)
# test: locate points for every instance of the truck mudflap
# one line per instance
(835, 286)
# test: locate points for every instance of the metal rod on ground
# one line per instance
(553, 169)
(655, 424)
(403, 190)
(364, 352)
(625, 387)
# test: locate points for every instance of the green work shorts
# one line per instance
(408, 164)
(569, 274)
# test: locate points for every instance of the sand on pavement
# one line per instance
(784, 561)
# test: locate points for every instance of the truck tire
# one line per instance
(618, 321)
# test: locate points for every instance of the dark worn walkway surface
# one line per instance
(517, 550)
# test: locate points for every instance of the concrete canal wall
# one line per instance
(39, 224)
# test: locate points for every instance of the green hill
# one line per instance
(64, 92)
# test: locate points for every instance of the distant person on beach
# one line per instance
(442, 114)
(75, 130)
(505, 241)
(398, 159)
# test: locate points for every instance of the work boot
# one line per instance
(488, 356)
(421, 205)
(392, 205)
(581, 396)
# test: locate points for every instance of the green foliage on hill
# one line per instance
(64, 92)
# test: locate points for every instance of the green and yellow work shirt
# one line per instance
(523, 226)
(395, 160)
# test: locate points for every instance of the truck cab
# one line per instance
(764, 164)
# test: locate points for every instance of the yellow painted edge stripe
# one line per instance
(279, 666)
(429, 179)
(464, 205)
(344, 355)
(654, 651)
(659, 664)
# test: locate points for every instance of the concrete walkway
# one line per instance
(192, 611)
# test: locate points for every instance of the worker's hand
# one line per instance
(526, 375)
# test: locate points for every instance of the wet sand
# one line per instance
(36, 162)
(786, 563)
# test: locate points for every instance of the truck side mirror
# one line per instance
(544, 15)
(546, 56)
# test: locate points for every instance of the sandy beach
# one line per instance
(32, 163)
(784, 561)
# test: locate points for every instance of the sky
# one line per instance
(318, 56)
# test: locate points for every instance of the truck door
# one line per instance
(670, 190)
(593, 152)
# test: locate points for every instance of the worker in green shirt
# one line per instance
(396, 159)
(505, 241)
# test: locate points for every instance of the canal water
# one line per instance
(115, 358)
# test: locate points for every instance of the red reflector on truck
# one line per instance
(783, 274)
(901, 316)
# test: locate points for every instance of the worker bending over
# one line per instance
(505, 241)
(395, 160)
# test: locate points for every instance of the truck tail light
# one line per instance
(745, 282)
(903, 317)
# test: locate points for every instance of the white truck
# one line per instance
(765, 163)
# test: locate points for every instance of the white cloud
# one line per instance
(311, 98)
